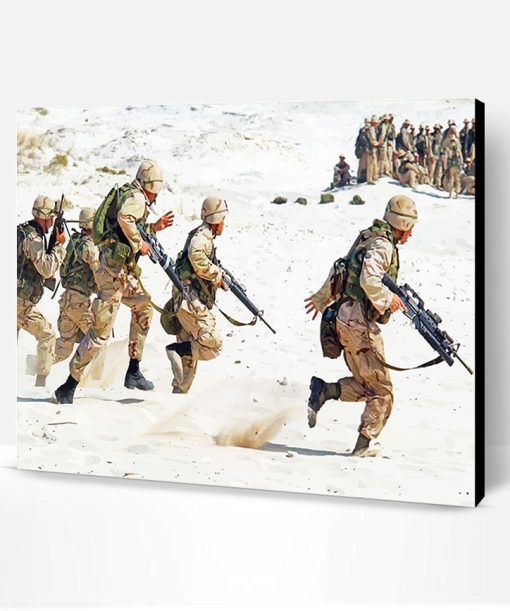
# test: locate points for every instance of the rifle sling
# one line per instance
(434, 361)
(231, 320)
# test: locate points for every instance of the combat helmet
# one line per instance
(401, 212)
(86, 217)
(43, 207)
(213, 210)
(150, 176)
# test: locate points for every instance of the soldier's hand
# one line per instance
(60, 237)
(397, 304)
(311, 308)
(145, 249)
(167, 220)
(221, 284)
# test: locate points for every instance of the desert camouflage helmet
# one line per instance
(150, 176)
(409, 156)
(401, 212)
(86, 217)
(43, 207)
(213, 210)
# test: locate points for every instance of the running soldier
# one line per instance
(35, 265)
(197, 266)
(77, 275)
(365, 302)
(117, 276)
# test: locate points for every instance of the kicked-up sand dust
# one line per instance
(253, 434)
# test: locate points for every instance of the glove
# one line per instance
(145, 249)
(221, 284)
(60, 237)
(167, 220)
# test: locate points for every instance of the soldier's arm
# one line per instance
(199, 247)
(130, 213)
(46, 264)
(323, 297)
(375, 264)
(90, 255)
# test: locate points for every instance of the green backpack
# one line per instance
(99, 224)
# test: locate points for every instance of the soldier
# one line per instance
(118, 279)
(402, 141)
(421, 144)
(77, 275)
(391, 133)
(360, 149)
(453, 165)
(384, 165)
(463, 139)
(412, 138)
(197, 267)
(365, 302)
(341, 176)
(409, 172)
(467, 182)
(398, 158)
(35, 265)
(451, 130)
(435, 168)
(371, 154)
(470, 142)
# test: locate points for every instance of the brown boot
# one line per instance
(361, 446)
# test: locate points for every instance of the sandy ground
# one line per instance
(244, 422)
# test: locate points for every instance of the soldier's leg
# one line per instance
(204, 344)
(141, 316)
(370, 381)
(104, 311)
(32, 321)
(412, 179)
(189, 365)
(73, 322)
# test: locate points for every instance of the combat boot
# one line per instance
(361, 446)
(40, 380)
(175, 352)
(321, 392)
(135, 378)
(65, 393)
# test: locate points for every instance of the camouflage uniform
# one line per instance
(371, 155)
(454, 164)
(365, 301)
(77, 275)
(435, 166)
(117, 282)
(197, 267)
(409, 172)
(382, 151)
(34, 266)
(391, 134)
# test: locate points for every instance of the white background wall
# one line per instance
(237, 545)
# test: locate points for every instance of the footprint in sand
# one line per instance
(138, 449)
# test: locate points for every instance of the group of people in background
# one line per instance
(444, 159)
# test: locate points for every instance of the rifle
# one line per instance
(240, 292)
(58, 224)
(158, 255)
(426, 323)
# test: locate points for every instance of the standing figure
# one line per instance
(361, 150)
(197, 266)
(37, 263)
(463, 137)
(435, 167)
(403, 141)
(373, 145)
(453, 165)
(391, 134)
(384, 166)
(117, 276)
(364, 304)
(77, 275)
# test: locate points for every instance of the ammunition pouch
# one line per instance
(169, 320)
(331, 346)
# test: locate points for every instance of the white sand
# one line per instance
(282, 254)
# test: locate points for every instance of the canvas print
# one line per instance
(278, 296)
